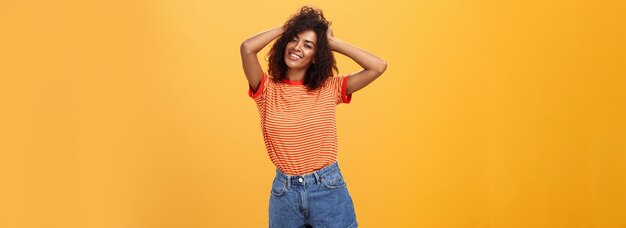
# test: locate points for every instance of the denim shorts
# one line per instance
(318, 199)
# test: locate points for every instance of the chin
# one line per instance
(292, 65)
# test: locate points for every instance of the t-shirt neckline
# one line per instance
(294, 82)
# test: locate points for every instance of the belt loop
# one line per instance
(317, 177)
(288, 181)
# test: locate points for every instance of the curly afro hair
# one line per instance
(307, 18)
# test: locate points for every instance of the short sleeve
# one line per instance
(259, 90)
(340, 90)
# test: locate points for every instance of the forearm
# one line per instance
(365, 59)
(257, 42)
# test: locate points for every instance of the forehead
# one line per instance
(308, 35)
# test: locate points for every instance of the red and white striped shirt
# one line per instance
(299, 126)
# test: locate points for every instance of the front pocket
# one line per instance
(278, 187)
(334, 182)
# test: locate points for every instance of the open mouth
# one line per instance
(293, 56)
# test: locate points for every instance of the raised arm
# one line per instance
(372, 65)
(249, 49)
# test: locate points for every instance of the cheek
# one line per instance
(311, 54)
(287, 47)
(290, 44)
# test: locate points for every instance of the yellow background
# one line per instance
(491, 113)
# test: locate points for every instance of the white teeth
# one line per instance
(296, 56)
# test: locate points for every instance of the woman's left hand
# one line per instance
(329, 33)
(330, 37)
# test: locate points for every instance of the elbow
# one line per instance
(381, 66)
(245, 47)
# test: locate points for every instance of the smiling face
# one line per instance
(300, 50)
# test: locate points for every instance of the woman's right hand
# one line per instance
(249, 49)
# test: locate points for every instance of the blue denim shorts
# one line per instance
(317, 199)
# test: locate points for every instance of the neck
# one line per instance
(295, 74)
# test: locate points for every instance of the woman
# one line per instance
(296, 101)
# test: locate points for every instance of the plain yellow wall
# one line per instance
(491, 113)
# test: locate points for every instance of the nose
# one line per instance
(298, 46)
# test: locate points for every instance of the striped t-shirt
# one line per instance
(298, 126)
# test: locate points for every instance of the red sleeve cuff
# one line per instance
(259, 89)
(346, 98)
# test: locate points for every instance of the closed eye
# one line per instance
(309, 43)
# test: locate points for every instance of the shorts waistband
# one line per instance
(309, 178)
